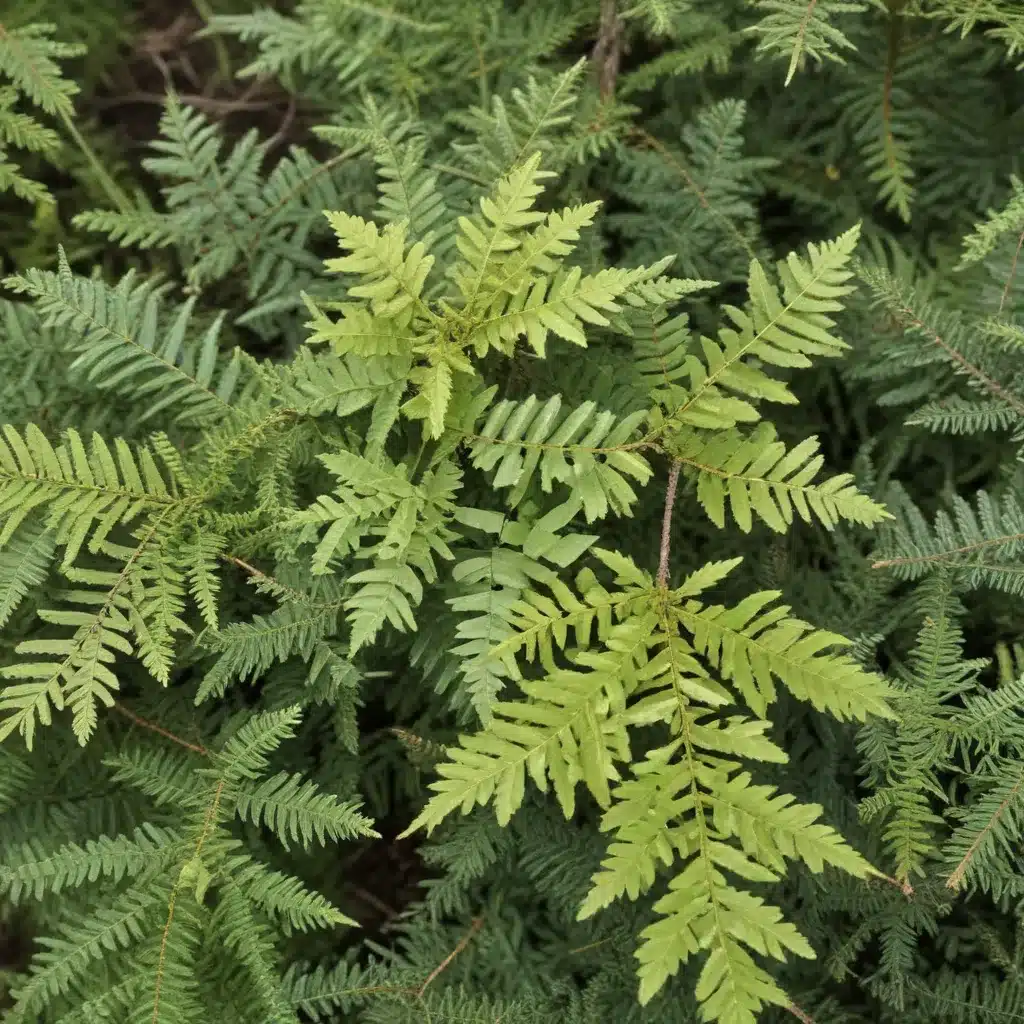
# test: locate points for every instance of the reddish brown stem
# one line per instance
(608, 51)
(666, 524)
(463, 943)
(801, 1015)
(153, 727)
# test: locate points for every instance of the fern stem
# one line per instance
(208, 821)
(801, 1015)
(798, 42)
(153, 727)
(1012, 274)
(666, 524)
(463, 943)
(113, 191)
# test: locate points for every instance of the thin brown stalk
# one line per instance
(153, 727)
(666, 524)
(463, 943)
(801, 1015)
(1012, 274)
(608, 52)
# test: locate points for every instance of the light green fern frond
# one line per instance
(760, 478)
(85, 492)
(586, 450)
(687, 799)
(779, 330)
(803, 28)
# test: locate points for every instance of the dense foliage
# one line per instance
(512, 512)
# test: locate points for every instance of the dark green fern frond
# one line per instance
(28, 59)
(128, 343)
(804, 29)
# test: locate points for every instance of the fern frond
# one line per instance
(562, 734)
(283, 897)
(981, 545)
(905, 757)
(987, 233)
(779, 330)
(590, 454)
(72, 671)
(247, 650)
(28, 57)
(86, 492)
(804, 28)
(34, 872)
(564, 303)
(760, 478)
(387, 594)
(753, 643)
(536, 118)
(128, 344)
(294, 809)
(127, 921)
(394, 277)
(24, 563)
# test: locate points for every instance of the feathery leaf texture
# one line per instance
(376, 484)
(779, 330)
(128, 344)
(28, 59)
(573, 726)
(803, 28)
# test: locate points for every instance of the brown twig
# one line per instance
(282, 132)
(903, 885)
(801, 1015)
(160, 730)
(250, 569)
(209, 104)
(608, 50)
(375, 901)
(463, 943)
(666, 524)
